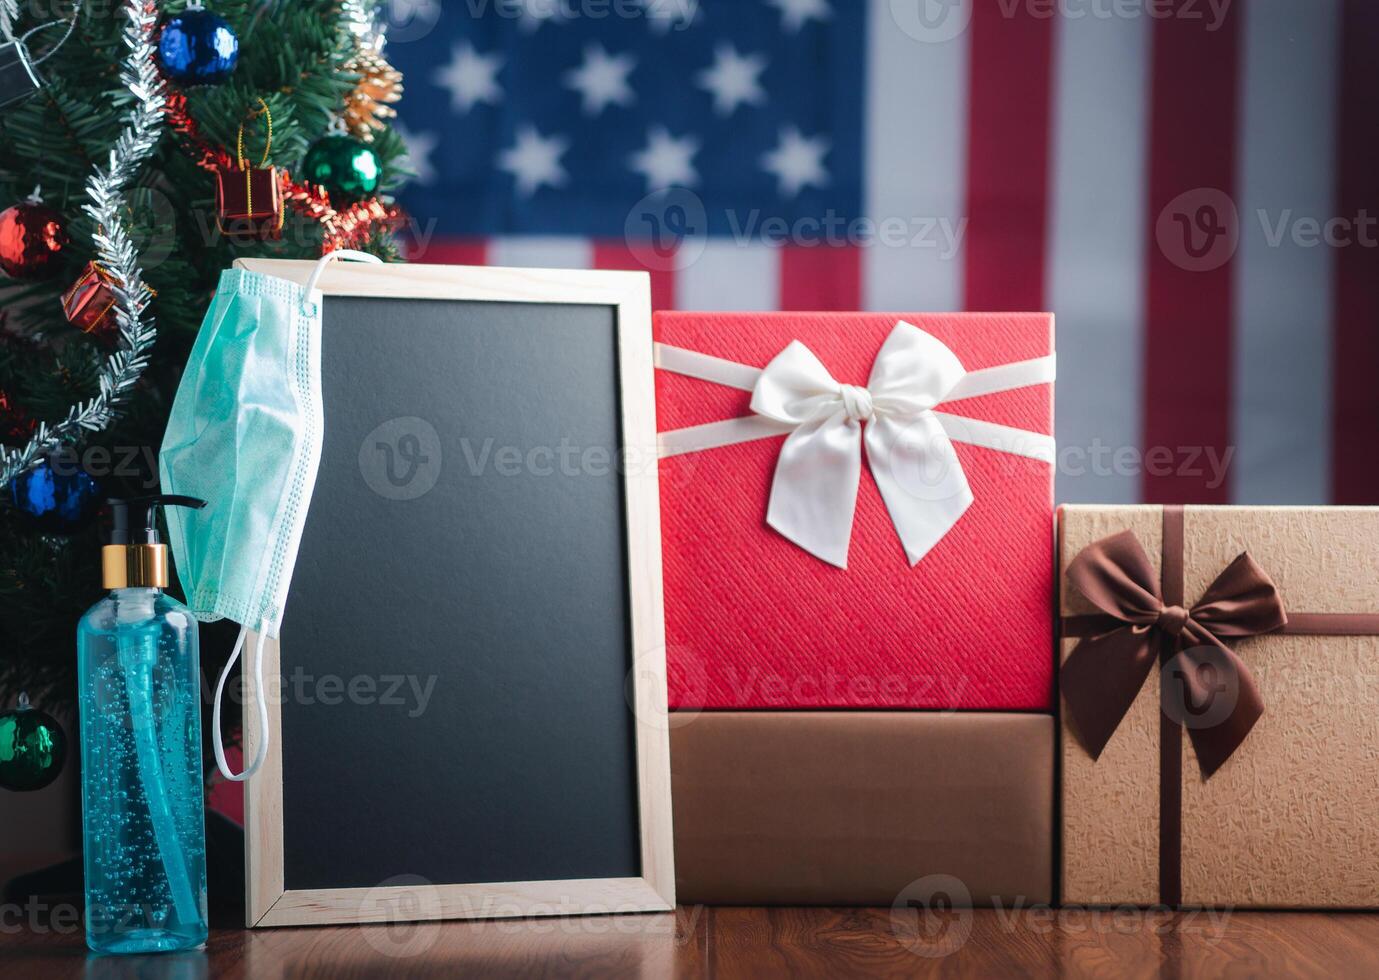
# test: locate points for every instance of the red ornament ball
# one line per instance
(32, 240)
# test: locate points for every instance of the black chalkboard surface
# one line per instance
(459, 636)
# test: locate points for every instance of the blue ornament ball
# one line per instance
(198, 48)
(57, 495)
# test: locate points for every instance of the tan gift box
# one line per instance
(1286, 713)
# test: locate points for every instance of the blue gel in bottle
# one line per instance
(142, 820)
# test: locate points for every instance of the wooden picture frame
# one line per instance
(267, 901)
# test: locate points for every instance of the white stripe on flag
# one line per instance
(1095, 278)
(730, 276)
(1283, 271)
(537, 252)
(916, 155)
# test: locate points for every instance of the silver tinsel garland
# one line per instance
(115, 250)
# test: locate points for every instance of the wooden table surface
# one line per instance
(749, 942)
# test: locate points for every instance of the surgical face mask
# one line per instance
(245, 435)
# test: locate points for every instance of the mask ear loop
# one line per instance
(310, 294)
(261, 698)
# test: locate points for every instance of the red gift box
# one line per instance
(753, 620)
(90, 301)
(89, 304)
(249, 203)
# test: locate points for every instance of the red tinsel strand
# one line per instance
(206, 156)
(343, 229)
(16, 426)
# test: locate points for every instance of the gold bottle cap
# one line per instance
(134, 566)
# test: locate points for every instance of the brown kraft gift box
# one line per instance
(1224, 663)
(852, 808)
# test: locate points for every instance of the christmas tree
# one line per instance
(130, 134)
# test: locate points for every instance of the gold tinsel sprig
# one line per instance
(370, 103)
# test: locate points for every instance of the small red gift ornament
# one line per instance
(90, 304)
(249, 201)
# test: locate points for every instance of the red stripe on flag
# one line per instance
(1007, 155)
(1355, 409)
(614, 254)
(1194, 229)
(822, 277)
(451, 251)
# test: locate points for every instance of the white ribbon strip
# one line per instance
(909, 444)
(706, 367)
(1003, 377)
(731, 374)
(711, 435)
(960, 428)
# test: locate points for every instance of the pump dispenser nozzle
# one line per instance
(135, 556)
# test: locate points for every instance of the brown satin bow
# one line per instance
(1103, 675)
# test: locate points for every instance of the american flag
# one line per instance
(1191, 186)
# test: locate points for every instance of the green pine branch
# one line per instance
(292, 54)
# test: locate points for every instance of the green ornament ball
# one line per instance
(343, 166)
(33, 747)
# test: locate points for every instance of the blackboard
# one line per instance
(475, 598)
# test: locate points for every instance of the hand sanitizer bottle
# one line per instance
(140, 698)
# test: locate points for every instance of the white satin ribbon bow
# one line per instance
(814, 494)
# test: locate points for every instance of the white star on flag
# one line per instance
(794, 13)
(420, 145)
(733, 79)
(797, 161)
(602, 79)
(666, 161)
(470, 77)
(535, 160)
